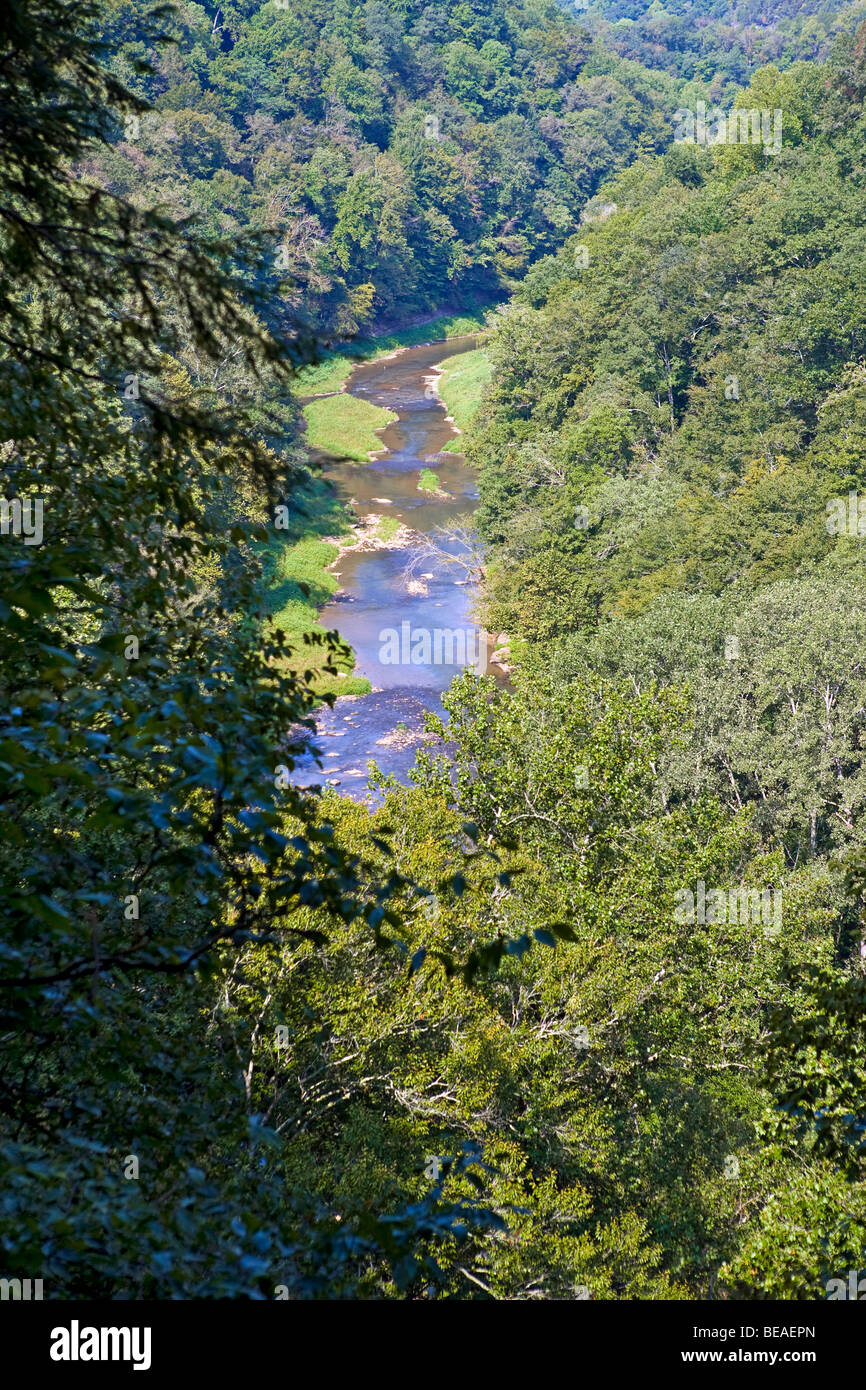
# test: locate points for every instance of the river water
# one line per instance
(409, 640)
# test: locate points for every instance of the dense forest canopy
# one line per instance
(715, 40)
(696, 395)
(578, 1013)
(401, 156)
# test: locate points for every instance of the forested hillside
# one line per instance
(672, 455)
(718, 41)
(577, 1013)
(672, 439)
(400, 157)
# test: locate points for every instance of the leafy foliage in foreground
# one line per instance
(147, 711)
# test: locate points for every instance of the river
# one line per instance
(409, 639)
